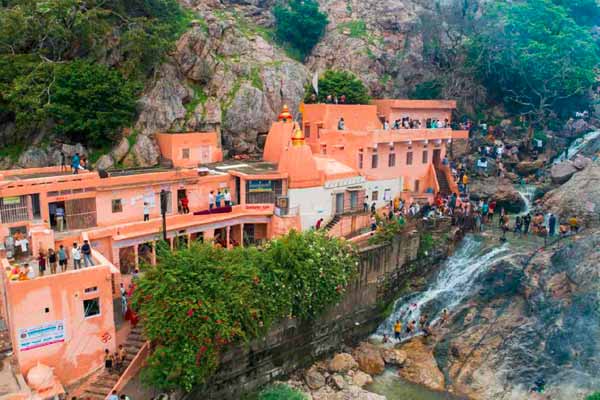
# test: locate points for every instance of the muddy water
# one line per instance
(390, 385)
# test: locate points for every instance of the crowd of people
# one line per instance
(412, 327)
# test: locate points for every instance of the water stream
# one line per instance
(577, 146)
(452, 286)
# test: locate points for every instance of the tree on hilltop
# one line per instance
(300, 24)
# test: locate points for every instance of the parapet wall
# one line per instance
(384, 271)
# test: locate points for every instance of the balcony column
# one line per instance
(241, 235)
(189, 240)
(136, 255)
(227, 235)
(153, 261)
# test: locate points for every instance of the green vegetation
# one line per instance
(79, 65)
(535, 57)
(198, 300)
(428, 90)
(280, 392)
(340, 83)
(387, 231)
(299, 24)
(356, 28)
(593, 396)
(425, 245)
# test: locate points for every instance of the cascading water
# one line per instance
(453, 284)
(577, 146)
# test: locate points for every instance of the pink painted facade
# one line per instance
(311, 171)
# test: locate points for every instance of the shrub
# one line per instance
(299, 23)
(197, 300)
(387, 230)
(280, 392)
(593, 396)
(340, 83)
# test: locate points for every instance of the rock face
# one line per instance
(119, 152)
(501, 190)
(393, 356)
(145, 151)
(369, 359)
(420, 365)
(223, 74)
(526, 168)
(105, 162)
(314, 379)
(561, 173)
(33, 157)
(580, 196)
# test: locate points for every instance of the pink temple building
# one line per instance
(334, 165)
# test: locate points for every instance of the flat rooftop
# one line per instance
(247, 167)
(36, 175)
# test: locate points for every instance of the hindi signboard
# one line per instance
(41, 335)
(256, 186)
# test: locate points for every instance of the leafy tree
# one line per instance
(593, 396)
(90, 102)
(584, 12)
(535, 56)
(299, 23)
(340, 83)
(198, 300)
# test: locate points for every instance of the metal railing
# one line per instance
(287, 211)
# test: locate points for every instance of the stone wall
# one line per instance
(383, 272)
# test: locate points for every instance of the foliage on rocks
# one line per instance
(41, 42)
(198, 300)
(387, 230)
(281, 392)
(340, 83)
(299, 23)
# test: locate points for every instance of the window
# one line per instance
(374, 159)
(353, 200)
(417, 185)
(375, 195)
(360, 159)
(185, 154)
(91, 307)
(117, 206)
(424, 156)
(392, 160)
(307, 130)
(91, 289)
(409, 158)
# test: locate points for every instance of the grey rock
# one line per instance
(146, 151)
(105, 162)
(119, 152)
(5, 162)
(33, 157)
(314, 379)
(338, 382)
(562, 172)
(580, 162)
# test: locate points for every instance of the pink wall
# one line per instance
(85, 339)
(204, 147)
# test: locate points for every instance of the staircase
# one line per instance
(333, 222)
(104, 383)
(442, 181)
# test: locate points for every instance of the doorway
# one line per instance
(437, 153)
(57, 209)
(339, 203)
(181, 194)
(36, 209)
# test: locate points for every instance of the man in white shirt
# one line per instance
(76, 256)
(227, 197)
(211, 200)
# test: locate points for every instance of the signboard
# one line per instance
(260, 186)
(41, 335)
(11, 200)
(357, 180)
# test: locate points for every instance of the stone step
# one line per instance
(92, 396)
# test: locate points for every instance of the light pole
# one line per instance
(164, 200)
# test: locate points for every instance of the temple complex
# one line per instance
(331, 167)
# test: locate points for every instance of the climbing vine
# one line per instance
(196, 301)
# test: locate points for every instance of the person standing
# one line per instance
(227, 197)
(60, 218)
(42, 263)
(63, 161)
(211, 200)
(218, 199)
(146, 211)
(52, 259)
(75, 163)
(185, 205)
(76, 255)
(318, 225)
(552, 225)
(63, 256)
(526, 223)
(397, 329)
(86, 249)
(465, 182)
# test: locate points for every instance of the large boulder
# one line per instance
(314, 378)
(580, 162)
(145, 151)
(500, 190)
(105, 162)
(420, 366)
(369, 359)
(562, 172)
(576, 127)
(361, 379)
(342, 362)
(393, 356)
(119, 152)
(526, 168)
(580, 196)
(33, 157)
(6, 162)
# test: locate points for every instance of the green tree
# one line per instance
(198, 300)
(300, 24)
(535, 57)
(338, 83)
(90, 102)
(593, 396)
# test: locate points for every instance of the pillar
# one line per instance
(189, 240)
(242, 191)
(153, 261)
(242, 235)
(136, 251)
(227, 235)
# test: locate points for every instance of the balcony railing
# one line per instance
(287, 211)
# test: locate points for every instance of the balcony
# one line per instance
(287, 211)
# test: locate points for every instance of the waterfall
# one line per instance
(527, 193)
(455, 282)
(577, 145)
